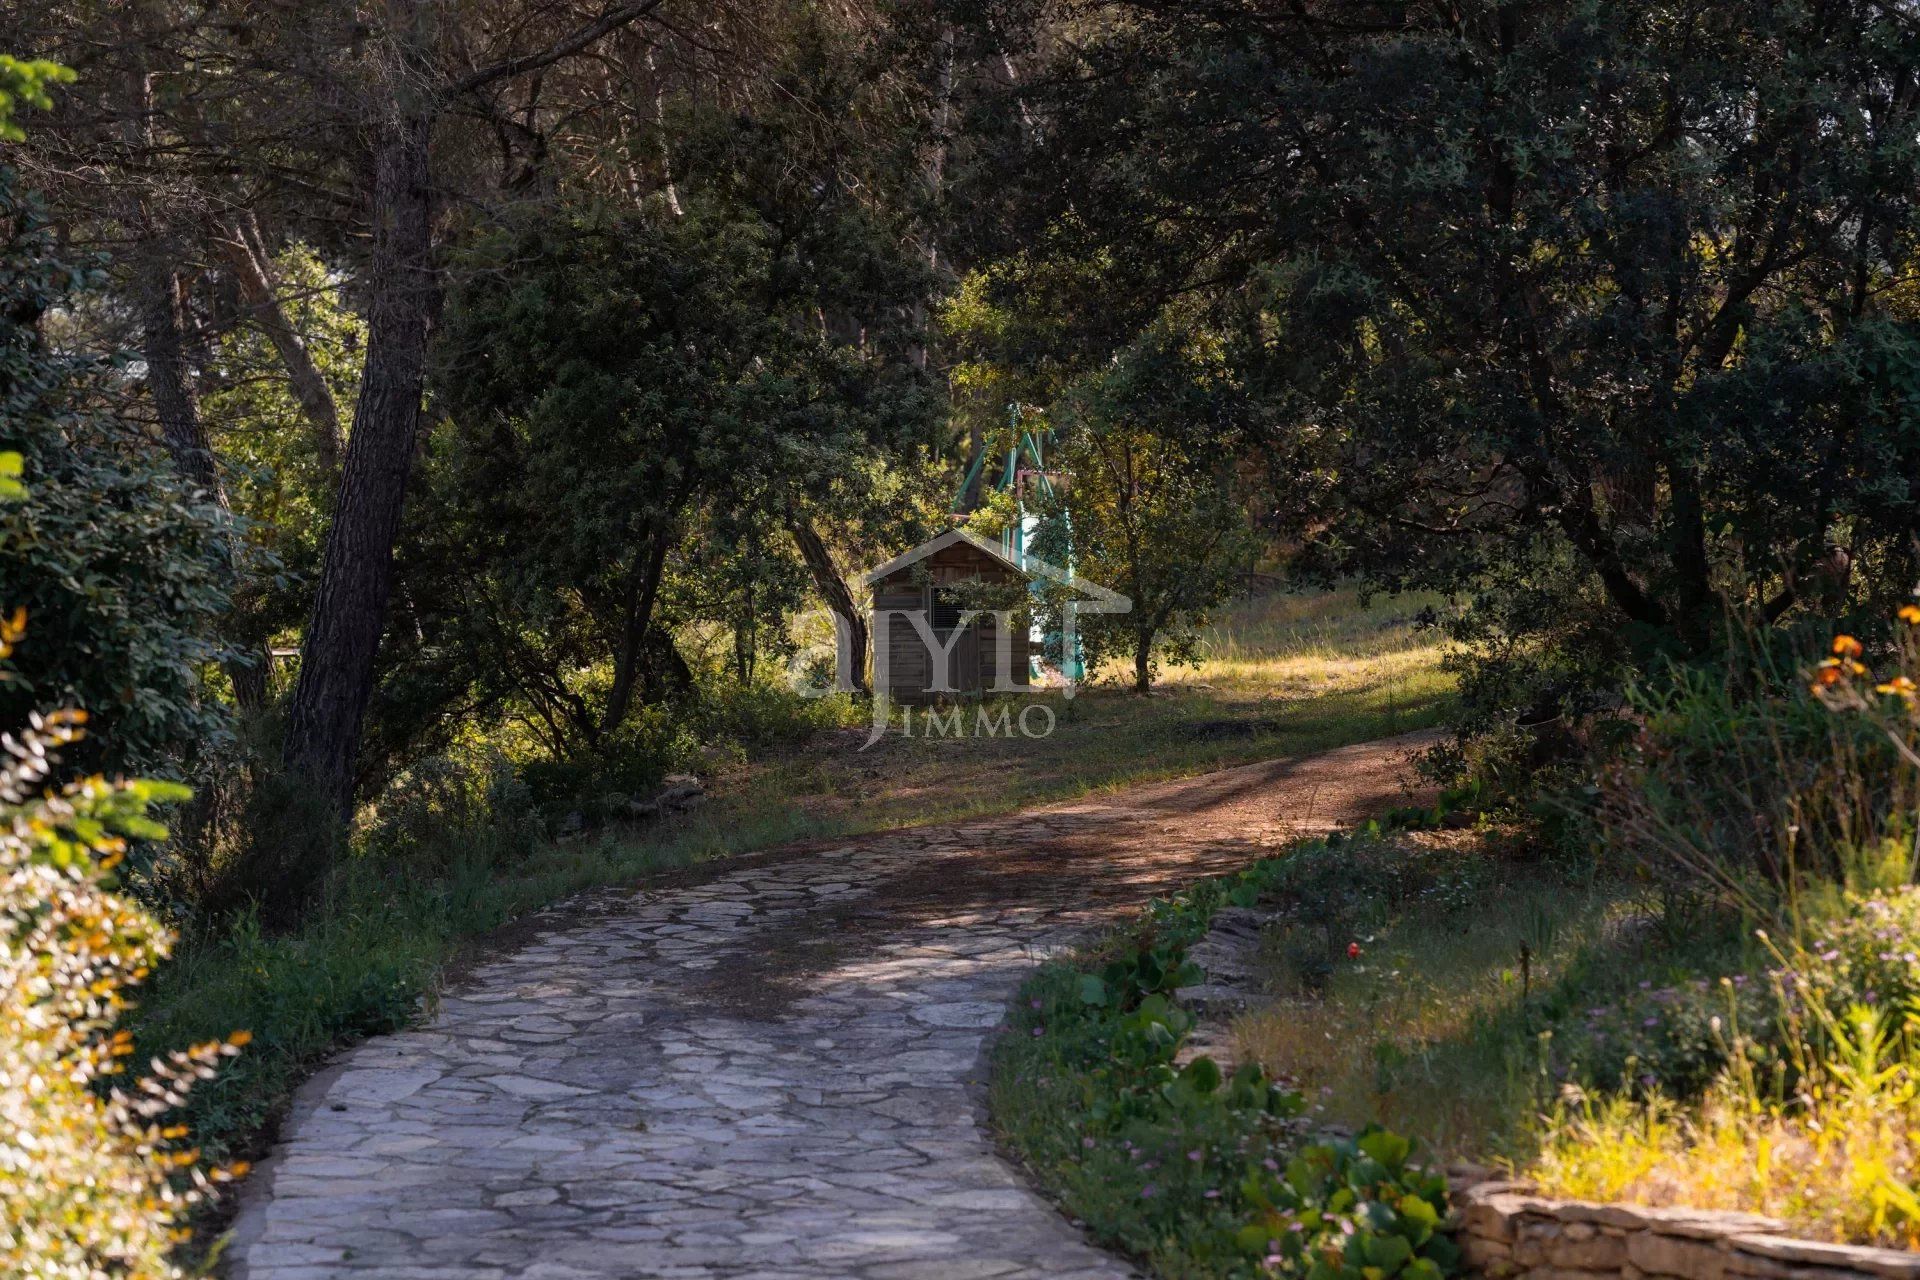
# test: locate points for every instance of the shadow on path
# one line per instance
(766, 1073)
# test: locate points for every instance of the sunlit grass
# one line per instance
(1424, 1030)
(1275, 682)
(1318, 624)
(1837, 1160)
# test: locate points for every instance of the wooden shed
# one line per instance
(932, 581)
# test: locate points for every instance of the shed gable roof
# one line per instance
(951, 537)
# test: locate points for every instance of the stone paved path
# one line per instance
(769, 1074)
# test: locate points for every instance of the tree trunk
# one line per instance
(665, 672)
(252, 270)
(164, 346)
(1696, 607)
(1142, 661)
(642, 586)
(163, 334)
(356, 577)
(833, 589)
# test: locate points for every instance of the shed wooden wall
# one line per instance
(909, 664)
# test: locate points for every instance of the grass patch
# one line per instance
(1403, 996)
(1601, 1041)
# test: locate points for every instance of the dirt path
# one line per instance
(771, 1074)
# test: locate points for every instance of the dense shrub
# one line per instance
(748, 718)
(1672, 1037)
(438, 803)
(122, 567)
(93, 1181)
(1741, 785)
(1866, 955)
(597, 784)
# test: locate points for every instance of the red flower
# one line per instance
(1353, 951)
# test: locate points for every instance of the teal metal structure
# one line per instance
(1023, 472)
(1025, 462)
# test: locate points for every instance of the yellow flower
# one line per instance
(1900, 686)
(1909, 614)
(1846, 646)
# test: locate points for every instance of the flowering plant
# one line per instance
(93, 1181)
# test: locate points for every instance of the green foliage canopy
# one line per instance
(1150, 506)
(119, 566)
(25, 82)
(614, 377)
(1601, 314)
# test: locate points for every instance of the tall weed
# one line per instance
(1740, 785)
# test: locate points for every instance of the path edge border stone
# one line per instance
(1507, 1231)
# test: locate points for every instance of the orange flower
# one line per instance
(1900, 686)
(1909, 614)
(1847, 647)
(1827, 673)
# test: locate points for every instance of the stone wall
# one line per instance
(1508, 1233)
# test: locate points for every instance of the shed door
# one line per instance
(963, 668)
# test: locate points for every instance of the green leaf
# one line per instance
(1418, 1210)
(1422, 1269)
(1388, 1252)
(1252, 1238)
(1203, 1073)
(1092, 990)
(1389, 1148)
(1444, 1253)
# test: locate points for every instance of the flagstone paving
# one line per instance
(771, 1073)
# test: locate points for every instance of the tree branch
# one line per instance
(565, 47)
